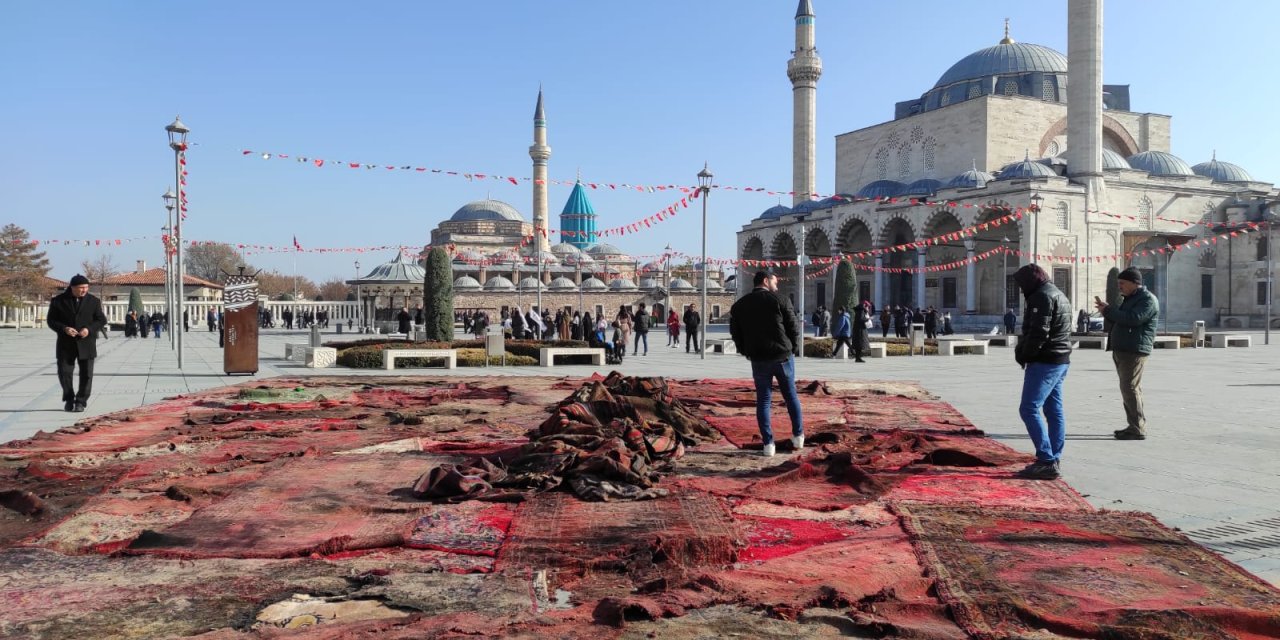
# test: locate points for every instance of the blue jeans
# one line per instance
(641, 336)
(1042, 394)
(763, 373)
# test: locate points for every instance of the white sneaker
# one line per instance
(767, 451)
(797, 442)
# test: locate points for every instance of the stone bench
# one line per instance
(320, 357)
(1166, 342)
(948, 347)
(1081, 342)
(1224, 340)
(722, 346)
(1002, 340)
(547, 355)
(389, 356)
(878, 350)
(295, 351)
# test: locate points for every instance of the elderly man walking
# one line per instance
(76, 316)
(1133, 331)
(764, 328)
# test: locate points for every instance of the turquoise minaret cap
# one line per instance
(805, 9)
(579, 218)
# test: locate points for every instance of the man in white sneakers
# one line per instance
(764, 328)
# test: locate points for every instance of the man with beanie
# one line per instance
(76, 316)
(1044, 352)
(764, 328)
(1133, 331)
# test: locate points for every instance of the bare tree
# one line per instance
(278, 286)
(98, 270)
(209, 261)
(334, 289)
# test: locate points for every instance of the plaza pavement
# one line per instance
(1209, 467)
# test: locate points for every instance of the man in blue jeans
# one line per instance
(1044, 352)
(764, 328)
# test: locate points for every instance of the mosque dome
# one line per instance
(1004, 59)
(881, 189)
(622, 284)
(530, 284)
(1222, 171)
(594, 284)
(564, 249)
(499, 283)
(971, 179)
(680, 284)
(1160, 163)
(775, 212)
(563, 284)
(1024, 169)
(546, 257)
(922, 187)
(466, 283)
(1110, 160)
(648, 283)
(486, 210)
(808, 206)
(579, 259)
(605, 249)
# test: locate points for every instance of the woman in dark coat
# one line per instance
(575, 327)
(517, 324)
(131, 324)
(405, 321)
(144, 324)
(861, 341)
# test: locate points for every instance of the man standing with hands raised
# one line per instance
(76, 316)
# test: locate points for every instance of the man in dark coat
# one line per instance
(692, 323)
(861, 341)
(1133, 333)
(405, 322)
(1010, 321)
(1044, 352)
(77, 318)
(766, 330)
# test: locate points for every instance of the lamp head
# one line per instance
(704, 177)
(177, 133)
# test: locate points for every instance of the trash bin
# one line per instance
(1197, 334)
(916, 338)
(339, 325)
(315, 336)
(494, 344)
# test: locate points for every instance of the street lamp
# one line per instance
(178, 142)
(1004, 277)
(1269, 216)
(704, 189)
(169, 203)
(359, 303)
(1036, 199)
(800, 260)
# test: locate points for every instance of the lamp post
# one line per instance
(169, 200)
(1036, 199)
(359, 302)
(1004, 279)
(178, 142)
(1269, 215)
(704, 188)
(800, 258)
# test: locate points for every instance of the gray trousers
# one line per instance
(1129, 366)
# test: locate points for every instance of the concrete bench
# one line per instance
(878, 350)
(547, 355)
(1099, 342)
(1002, 340)
(1224, 340)
(320, 357)
(389, 356)
(1166, 342)
(948, 347)
(957, 337)
(295, 351)
(722, 346)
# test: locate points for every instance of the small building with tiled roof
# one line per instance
(150, 283)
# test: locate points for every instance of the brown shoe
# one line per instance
(1130, 434)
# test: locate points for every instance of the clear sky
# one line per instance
(639, 93)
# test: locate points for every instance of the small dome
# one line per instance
(594, 284)
(486, 210)
(922, 187)
(712, 285)
(604, 249)
(1113, 160)
(1004, 59)
(971, 179)
(530, 284)
(532, 257)
(808, 206)
(466, 283)
(1221, 171)
(563, 284)
(579, 259)
(1160, 163)
(881, 189)
(648, 283)
(622, 284)
(652, 267)
(775, 212)
(499, 283)
(680, 284)
(1024, 169)
(565, 249)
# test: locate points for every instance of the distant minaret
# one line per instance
(804, 68)
(540, 153)
(1084, 95)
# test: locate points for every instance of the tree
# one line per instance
(210, 261)
(135, 301)
(18, 253)
(98, 270)
(334, 289)
(846, 294)
(278, 286)
(20, 287)
(438, 296)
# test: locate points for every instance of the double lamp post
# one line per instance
(178, 142)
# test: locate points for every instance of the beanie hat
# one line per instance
(1132, 275)
(78, 280)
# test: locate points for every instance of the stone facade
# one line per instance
(495, 301)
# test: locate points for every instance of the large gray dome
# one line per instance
(1025, 169)
(486, 210)
(563, 284)
(594, 284)
(1160, 163)
(499, 283)
(1002, 60)
(466, 283)
(1222, 171)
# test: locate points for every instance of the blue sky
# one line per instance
(639, 93)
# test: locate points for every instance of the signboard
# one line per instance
(240, 325)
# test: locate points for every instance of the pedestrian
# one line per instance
(404, 320)
(947, 329)
(418, 318)
(692, 323)
(131, 324)
(900, 321)
(211, 318)
(565, 322)
(575, 326)
(157, 321)
(764, 329)
(641, 323)
(1082, 322)
(1010, 321)
(516, 321)
(625, 323)
(885, 318)
(1044, 353)
(861, 325)
(76, 317)
(673, 329)
(1133, 331)
(815, 320)
(186, 321)
(826, 321)
(144, 324)
(841, 333)
(931, 323)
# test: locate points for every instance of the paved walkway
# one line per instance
(1210, 465)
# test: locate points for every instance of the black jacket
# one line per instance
(1046, 327)
(764, 327)
(691, 320)
(63, 314)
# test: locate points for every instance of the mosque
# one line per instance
(1024, 149)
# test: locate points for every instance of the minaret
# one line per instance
(804, 68)
(1084, 95)
(540, 153)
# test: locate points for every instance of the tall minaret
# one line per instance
(540, 153)
(804, 68)
(1084, 95)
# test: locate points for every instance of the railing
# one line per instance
(33, 315)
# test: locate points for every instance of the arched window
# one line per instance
(882, 162)
(929, 147)
(904, 160)
(1063, 216)
(1144, 213)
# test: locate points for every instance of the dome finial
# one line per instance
(1007, 39)
(1215, 156)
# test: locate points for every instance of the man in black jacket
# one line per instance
(76, 316)
(692, 323)
(1044, 352)
(764, 328)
